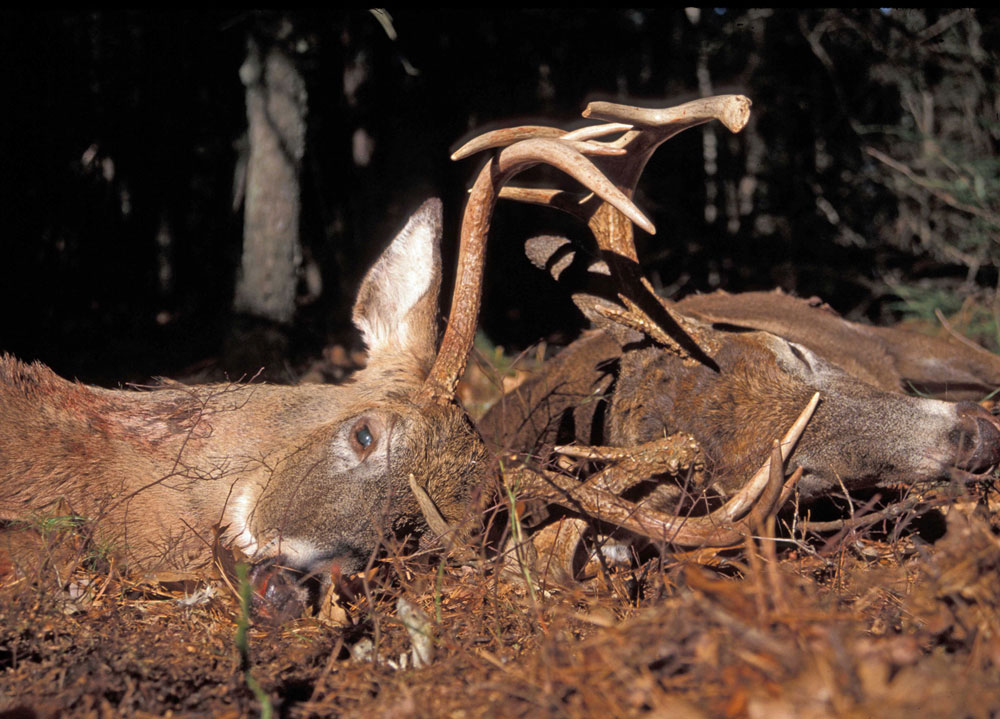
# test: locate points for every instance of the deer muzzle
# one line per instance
(977, 437)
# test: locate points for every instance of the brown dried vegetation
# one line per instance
(887, 620)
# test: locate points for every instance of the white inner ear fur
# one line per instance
(403, 275)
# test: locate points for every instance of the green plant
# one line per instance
(243, 642)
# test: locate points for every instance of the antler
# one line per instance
(644, 131)
(651, 127)
(758, 497)
(567, 156)
(553, 549)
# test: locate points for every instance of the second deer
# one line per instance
(731, 372)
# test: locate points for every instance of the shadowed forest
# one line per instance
(868, 174)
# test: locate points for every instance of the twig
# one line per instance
(774, 578)
(111, 572)
(945, 197)
(866, 519)
(519, 540)
(955, 333)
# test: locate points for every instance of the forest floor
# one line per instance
(900, 619)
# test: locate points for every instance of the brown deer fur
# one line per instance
(892, 359)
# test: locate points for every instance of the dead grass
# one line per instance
(861, 624)
(873, 628)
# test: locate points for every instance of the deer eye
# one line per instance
(363, 436)
(798, 353)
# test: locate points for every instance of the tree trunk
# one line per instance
(276, 110)
(272, 253)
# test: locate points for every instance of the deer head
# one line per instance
(308, 476)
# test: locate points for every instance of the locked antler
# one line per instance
(570, 157)
(554, 546)
(720, 528)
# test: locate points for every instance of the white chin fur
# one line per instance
(239, 522)
(299, 553)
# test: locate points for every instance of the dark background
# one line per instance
(868, 174)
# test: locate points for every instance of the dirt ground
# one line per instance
(897, 619)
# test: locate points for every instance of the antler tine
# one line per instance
(453, 353)
(566, 201)
(504, 137)
(509, 135)
(742, 501)
(768, 499)
(733, 111)
(592, 132)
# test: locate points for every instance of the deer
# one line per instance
(703, 386)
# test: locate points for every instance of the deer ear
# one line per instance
(397, 304)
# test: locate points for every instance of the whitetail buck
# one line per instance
(732, 371)
(306, 476)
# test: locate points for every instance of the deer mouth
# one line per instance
(279, 592)
(283, 586)
(285, 583)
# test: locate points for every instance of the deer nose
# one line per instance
(979, 442)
